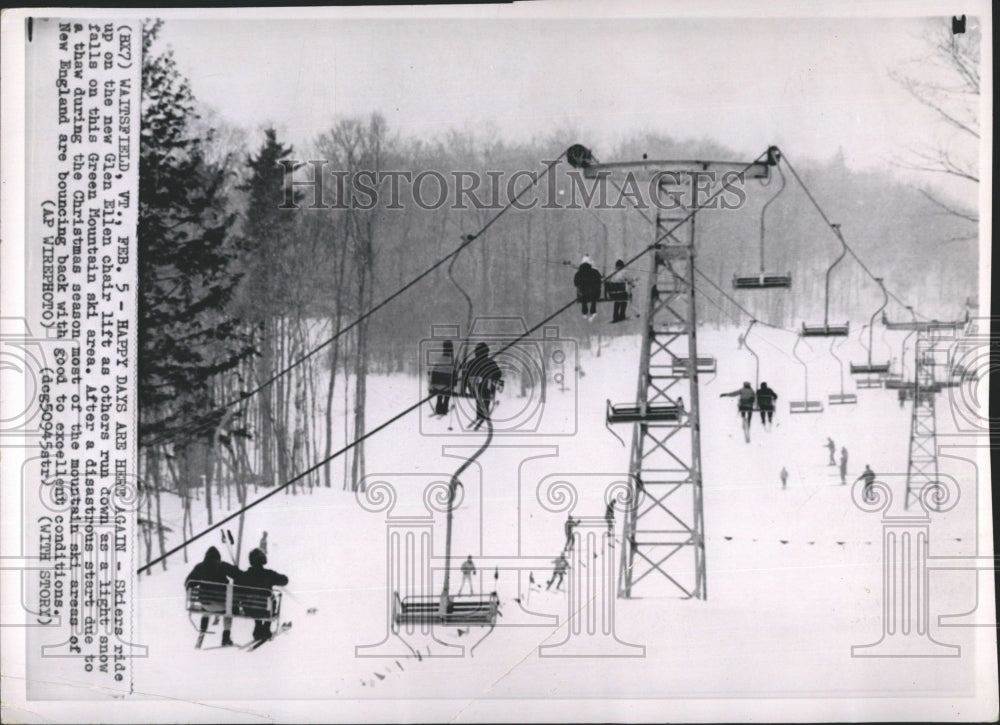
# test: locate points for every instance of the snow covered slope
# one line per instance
(794, 575)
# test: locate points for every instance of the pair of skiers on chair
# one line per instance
(213, 569)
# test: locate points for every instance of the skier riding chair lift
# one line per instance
(617, 288)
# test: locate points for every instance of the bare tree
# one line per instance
(946, 80)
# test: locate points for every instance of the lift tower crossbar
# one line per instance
(664, 536)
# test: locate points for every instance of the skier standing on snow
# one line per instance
(568, 527)
(784, 477)
(765, 402)
(468, 569)
(843, 465)
(587, 281)
(744, 405)
(261, 578)
(832, 448)
(560, 571)
(869, 478)
(213, 569)
(485, 379)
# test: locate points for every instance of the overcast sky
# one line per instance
(810, 85)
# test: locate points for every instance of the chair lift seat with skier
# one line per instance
(233, 600)
(765, 279)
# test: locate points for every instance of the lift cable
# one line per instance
(819, 209)
(418, 404)
(467, 240)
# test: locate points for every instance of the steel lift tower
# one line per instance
(664, 529)
(922, 462)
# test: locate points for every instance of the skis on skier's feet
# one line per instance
(285, 626)
(234, 645)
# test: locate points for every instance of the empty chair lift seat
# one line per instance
(869, 381)
(762, 281)
(843, 399)
(654, 413)
(426, 609)
(704, 364)
(825, 330)
(874, 369)
(805, 406)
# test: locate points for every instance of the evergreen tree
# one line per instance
(186, 258)
(269, 291)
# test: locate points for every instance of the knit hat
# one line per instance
(258, 558)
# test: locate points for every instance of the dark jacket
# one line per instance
(588, 282)
(484, 377)
(442, 373)
(766, 397)
(213, 569)
(258, 576)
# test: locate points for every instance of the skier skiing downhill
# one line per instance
(485, 379)
(784, 477)
(560, 571)
(744, 405)
(258, 576)
(213, 569)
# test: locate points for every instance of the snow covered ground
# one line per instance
(794, 576)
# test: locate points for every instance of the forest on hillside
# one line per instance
(235, 286)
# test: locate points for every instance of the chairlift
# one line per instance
(870, 369)
(826, 329)
(447, 609)
(232, 600)
(840, 398)
(868, 379)
(742, 341)
(703, 365)
(805, 405)
(764, 279)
